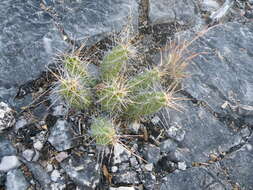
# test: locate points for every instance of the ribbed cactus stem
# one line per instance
(75, 94)
(113, 96)
(145, 80)
(113, 62)
(102, 130)
(146, 103)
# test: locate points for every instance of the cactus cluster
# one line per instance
(120, 96)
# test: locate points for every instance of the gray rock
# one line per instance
(7, 119)
(204, 134)
(39, 174)
(8, 163)
(149, 180)
(181, 11)
(61, 156)
(82, 170)
(122, 188)
(239, 166)
(151, 153)
(120, 154)
(16, 181)
(176, 132)
(209, 5)
(27, 42)
(224, 75)
(97, 16)
(28, 154)
(62, 136)
(126, 178)
(193, 178)
(168, 146)
(2, 178)
(55, 175)
(20, 123)
(6, 148)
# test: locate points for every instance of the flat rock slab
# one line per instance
(28, 40)
(223, 77)
(182, 11)
(82, 19)
(194, 178)
(239, 166)
(196, 134)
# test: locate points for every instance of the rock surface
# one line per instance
(62, 136)
(7, 119)
(16, 180)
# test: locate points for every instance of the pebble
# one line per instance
(7, 119)
(182, 165)
(149, 167)
(55, 175)
(28, 154)
(38, 145)
(61, 156)
(8, 163)
(15, 180)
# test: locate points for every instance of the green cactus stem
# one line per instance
(113, 62)
(103, 132)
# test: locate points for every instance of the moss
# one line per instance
(102, 131)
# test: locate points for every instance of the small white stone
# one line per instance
(182, 165)
(55, 175)
(61, 156)
(38, 145)
(114, 169)
(149, 167)
(122, 188)
(155, 120)
(28, 154)
(49, 167)
(8, 163)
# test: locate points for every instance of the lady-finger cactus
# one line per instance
(102, 130)
(114, 62)
(74, 93)
(114, 96)
(149, 103)
(145, 80)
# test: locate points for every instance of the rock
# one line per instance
(39, 174)
(38, 145)
(126, 178)
(49, 167)
(114, 169)
(148, 167)
(149, 180)
(168, 146)
(28, 154)
(176, 132)
(20, 123)
(204, 134)
(61, 156)
(7, 119)
(134, 127)
(213, 77)
(181, 165)
(151, 153)
(59, 110)
(122, 188)
(6, 148)
(239, 165)
(57, 186)
(83, 170)
(16, 181)
(193, 178)
(163, 11)
(120, 154)
(30, 35)
(9, 162)
(2, 179)
(55, 175)
(155, 120)
(62, 136)
(98, 16)
(209, 5)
